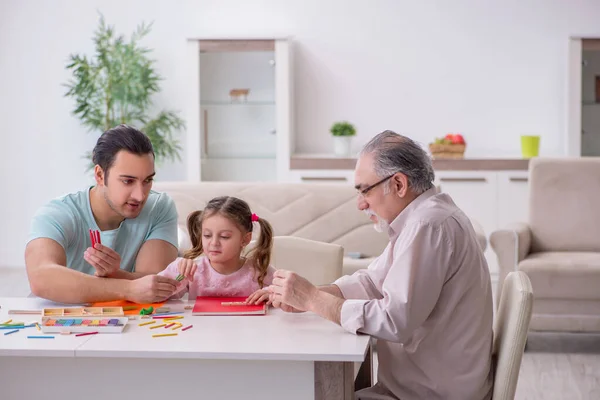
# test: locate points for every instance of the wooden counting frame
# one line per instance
(83, 312)
(84, 324)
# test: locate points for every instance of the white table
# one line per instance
(277, 356)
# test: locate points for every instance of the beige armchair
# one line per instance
(559, 248)
(320, 263)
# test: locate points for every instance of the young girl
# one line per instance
(215, 265)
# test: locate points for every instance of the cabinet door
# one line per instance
(513, 197)
(238, 102)
(476, 194)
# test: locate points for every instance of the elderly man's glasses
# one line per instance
(368, 188)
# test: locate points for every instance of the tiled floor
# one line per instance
(546, 372)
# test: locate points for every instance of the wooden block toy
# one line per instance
(80, 325)
(83, 312)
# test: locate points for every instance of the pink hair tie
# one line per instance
(254, 218)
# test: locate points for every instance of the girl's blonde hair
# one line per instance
(238, 211)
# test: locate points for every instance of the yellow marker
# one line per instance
(7, 322)
(164, 334)
(158, 326)
(146, 323)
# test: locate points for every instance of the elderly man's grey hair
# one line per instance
(394, 153)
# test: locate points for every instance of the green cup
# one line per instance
(530, 146)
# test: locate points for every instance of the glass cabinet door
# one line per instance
(237, 99)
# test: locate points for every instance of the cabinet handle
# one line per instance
(463, 179)
(518, 179)
(323, 178)
(205, 132)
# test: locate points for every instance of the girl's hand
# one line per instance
(260, 296)
(187, 268)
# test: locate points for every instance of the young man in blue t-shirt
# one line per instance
(138, 231)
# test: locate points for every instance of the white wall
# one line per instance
(489, 69)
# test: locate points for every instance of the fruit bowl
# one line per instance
(451, 146)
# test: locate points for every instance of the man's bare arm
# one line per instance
(153, 257)
(49, 277)
(327, 305)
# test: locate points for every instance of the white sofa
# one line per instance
(317, 211)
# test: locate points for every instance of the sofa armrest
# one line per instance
(511, 245)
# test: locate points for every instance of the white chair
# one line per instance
(510, 333)
(319, 262)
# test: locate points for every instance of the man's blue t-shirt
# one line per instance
(67, 221)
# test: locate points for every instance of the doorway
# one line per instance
(583, 118)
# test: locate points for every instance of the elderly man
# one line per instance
(427, 298)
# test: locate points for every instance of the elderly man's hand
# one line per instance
(292, 290)
(282, 306)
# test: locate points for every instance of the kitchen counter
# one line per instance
(329, 162)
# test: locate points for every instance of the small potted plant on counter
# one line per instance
(342, 138)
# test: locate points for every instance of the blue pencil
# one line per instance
(13, 327)
(40, 337)
(165, 314)
(8, 333)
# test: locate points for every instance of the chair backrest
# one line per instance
(320, 263)
(563, 193)
(510, 333)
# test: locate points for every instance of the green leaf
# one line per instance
(115, 85)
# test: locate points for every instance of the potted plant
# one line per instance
(342, 138)
(115, 86)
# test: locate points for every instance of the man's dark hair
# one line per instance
(122, 137)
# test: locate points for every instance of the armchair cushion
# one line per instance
(563, 204)
(564, 275)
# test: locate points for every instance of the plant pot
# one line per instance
(342, 145)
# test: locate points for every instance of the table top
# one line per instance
(275, 336)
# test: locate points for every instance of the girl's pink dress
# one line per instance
(208, 282)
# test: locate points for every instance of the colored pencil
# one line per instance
(164, 334)
(40, 337)
(147, 323)
(86, 333)
(187, 327)
(8, 333)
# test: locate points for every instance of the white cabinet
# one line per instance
(243, 109)
(513, 197)
(334, 176)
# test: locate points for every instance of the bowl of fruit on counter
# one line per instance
(450, 146)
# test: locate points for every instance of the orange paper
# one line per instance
(125, 303)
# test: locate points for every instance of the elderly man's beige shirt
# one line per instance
(428, 301)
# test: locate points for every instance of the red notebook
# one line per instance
(223, 306)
